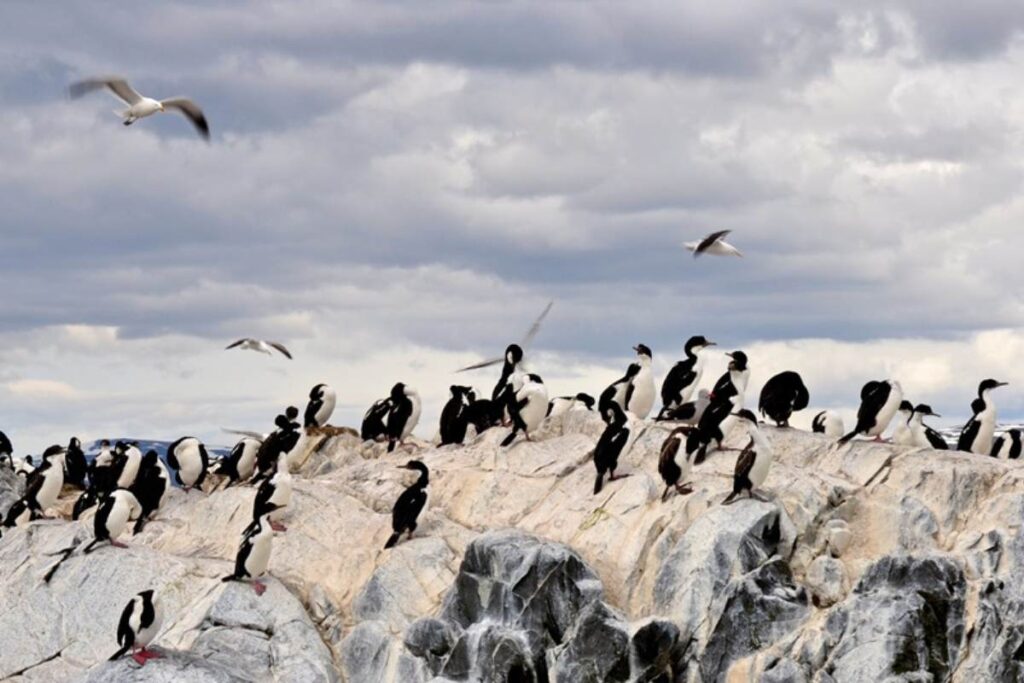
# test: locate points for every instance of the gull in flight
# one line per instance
(530, 334)
(713, 244)
(140, 107)
(260, 345)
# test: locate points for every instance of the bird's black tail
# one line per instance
(120, 653)
(226, 579)
(391, 445)
(664, 496)
(847, 437)
(598, 483)
(392, 541)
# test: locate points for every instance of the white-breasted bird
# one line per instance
(139, 106)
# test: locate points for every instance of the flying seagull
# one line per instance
(713, 244)
(259, 345)
(138, 106)
(530, 334)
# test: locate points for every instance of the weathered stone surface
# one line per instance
(687, 589)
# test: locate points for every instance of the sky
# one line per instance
(396, 189)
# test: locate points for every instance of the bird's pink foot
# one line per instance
(118, 544)
(148, 654)
(277, 526)
(259, 588)
(618, 476)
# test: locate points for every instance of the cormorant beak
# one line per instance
(637, 349)
(710, 343)
(729, 354)
(1002, 384)
(934, 414)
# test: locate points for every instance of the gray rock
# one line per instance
(597, 649)
(653, 647)
(904, 618)
(826, 579)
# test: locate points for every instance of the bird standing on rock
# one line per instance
(753, 463)
(410, 504)
(253, 556)
(528, 409)
(140, 623)
(274, 494)
(879, 401)
(403, 416)
(44, 484)
(190, 460)
(783, 395)
(924, 436)
(610, 447)
(674, 463)
(322, 399)
(684, 376)
(979, 431)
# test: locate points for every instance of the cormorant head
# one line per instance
(696, 343)
(291, 412)
(642, 350)
(54, 452)
(926, 410)
(513, 354)
(398, 391)
(906, 407)
(417, 466)
(989, 385)
(74, 444)
(150, 458)
(739, 360)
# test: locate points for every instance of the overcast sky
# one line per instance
(396, 189)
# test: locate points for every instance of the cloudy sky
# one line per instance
(395, 189)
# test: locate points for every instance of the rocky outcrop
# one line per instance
(867, 562)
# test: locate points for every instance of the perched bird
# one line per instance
(640, 393)
(509, 370)
(150, 487)
(923, 435)
(190, 461)
(684, 376)
(140, 107)
(529, 408)
(617, 390)
(44, 484)
(674, 464)
(102, 475)
(518, 352)
(403, 416)
(240, 463)
(249, 344)
(455, 414)
(979, 431)
(901, 432)
(829, 423)
(321, 405)
(484, 413)
(19, 514)
(688, 413)
(75, 466)
(713, 244)
(253, 556)
(781, 396)
(127, 458)
(112, 516)
(611, 446)
(274, 494)
(563, 404)
(410, 504)
(727, 398)
(1011, 442)
(140, 622)
(374, 427)
(284, 439)
(5, 446)
(753, 463)
(879, 401)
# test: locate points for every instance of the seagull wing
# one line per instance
(280, 347)
(535, 327)
(237, 343)
(191, 110)
(482, 364)
(708, 241)
(115, 84)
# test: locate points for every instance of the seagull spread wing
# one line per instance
(535, 327)
(191, 110)
(280, 347)
(709, 240)
(118, 86)
(243, 432)
(237, 343)
(483, 364)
